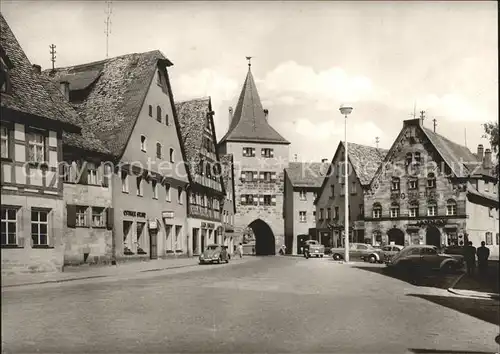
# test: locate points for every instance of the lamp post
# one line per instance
(346, 111)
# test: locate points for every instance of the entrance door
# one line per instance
(153, 244)
(203, 239)
(196, 233)
(433, 236)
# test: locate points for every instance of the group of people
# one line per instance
(482, 253)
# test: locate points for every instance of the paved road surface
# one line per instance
(270, 304)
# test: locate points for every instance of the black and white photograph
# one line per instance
(249, 177)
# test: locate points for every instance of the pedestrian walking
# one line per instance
(470, 258)
(483, 253)
(240, 249)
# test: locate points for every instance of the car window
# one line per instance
(397, 249)
(387, 248)
(429, 251)
(362, 247)
(413, 251)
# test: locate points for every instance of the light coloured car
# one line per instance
(316, 249)
(356, 251)
(383, 254)
(214, 254)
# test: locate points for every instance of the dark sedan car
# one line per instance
(425, 258)
(214, 254)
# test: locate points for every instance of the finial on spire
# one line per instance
(249, 63)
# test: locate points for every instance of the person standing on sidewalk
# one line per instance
(240, 250)
(483, 253)
(470, 258)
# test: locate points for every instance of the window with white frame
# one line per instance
(431, 208)
(266, 152)
(412, 183)
(303, 195)
(328, 213)
(489, 238)
(418, 158)
(9, 226)
(377, 211)
(143, 143)
(394, 211)
(172, 155)
(40, 227)
(138, 182)
(248, 152)
(91, 173)
(81, 216)
(431, 180)
(36, 144)
(451, 207)
(395, 184)
(4, 142)
(124, 181)
(302, 216)
(179, 195)
(155, 189)
(167, 192)
(98, 217)
(413, 210)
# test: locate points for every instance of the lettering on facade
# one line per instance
(413, 195)
(433, 222)
(167, 214)
(134, 213)
(153, 224)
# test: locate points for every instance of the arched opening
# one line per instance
(397, 236)
(433, 236)
(264, 238)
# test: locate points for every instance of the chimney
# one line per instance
(487, 159)
(324, 160)
(480, 150)
(65, 89)
(266, 113)
(37, 68)
(230, 116)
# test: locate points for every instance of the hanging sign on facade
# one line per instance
(167, 214)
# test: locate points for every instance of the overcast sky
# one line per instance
(309, 57)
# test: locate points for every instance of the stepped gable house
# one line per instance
(260, 154)
(363, 162)
(229, 209)
(206, 192)
(302, 183)
(430, 190)
(32, 125)
(127, 103)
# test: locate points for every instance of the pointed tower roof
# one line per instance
(249, 123)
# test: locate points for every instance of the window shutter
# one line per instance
(105, 175)
(272, 153)
(261, 199)
(83, 173)
(253, 151)
(273, 200)
(11, 142)
(273, 175)
(262, 152)
(262, 175)
(71, 215)
(109, 218)
(243, 175)
(243, 199)
(46, 149)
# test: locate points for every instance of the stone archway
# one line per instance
(264, 238)
(433, 236)
(397, 236)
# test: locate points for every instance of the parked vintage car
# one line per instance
(425, 258)
(356, 251)
(316, 249)
(384, 254)
(214, 254)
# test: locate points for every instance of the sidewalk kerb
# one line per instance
(474, 294)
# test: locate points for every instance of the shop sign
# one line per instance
(413, 195)
(153, 224)
(435, 222)
(167, 214)
(134, 213)
(210, 225)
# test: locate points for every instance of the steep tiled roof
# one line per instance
(365, 160)
(29, 92)
(192, 116)
(306, 174)
(117, 94)
(460, 159)
(249, 122)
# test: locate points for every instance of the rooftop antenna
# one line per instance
(53, 55)
(434, 122)
(465, 136)
(295, 157)
(422, 116)
(109, 11)
(376, 141)
(414, 113)
(249, 63)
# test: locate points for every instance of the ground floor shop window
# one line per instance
(168, 238)
(489, 238)
(9, 227)
(127, 237)
(452, 238)
(141, 238)
(40, 227)
(414, 237)
(377, 238)
(178, 231)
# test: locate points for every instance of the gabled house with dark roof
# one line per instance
(260, 154)
(330, 203)
(33, 119)
(206, 192)
(229, 209)
(302, 183)
(430, 190)
(127, 103)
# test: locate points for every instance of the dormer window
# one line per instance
(418, 158)
(409, 158)
(431, 180)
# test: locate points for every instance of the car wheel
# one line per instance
(372, 259)
(219, 261)
(337, 257)
(321, 256)
(448, 267)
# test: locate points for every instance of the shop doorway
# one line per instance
(195, 235)
(203, 240)
(433, 236)
(397, 236)
(153, 244)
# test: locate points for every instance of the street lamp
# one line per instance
(346, 111)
